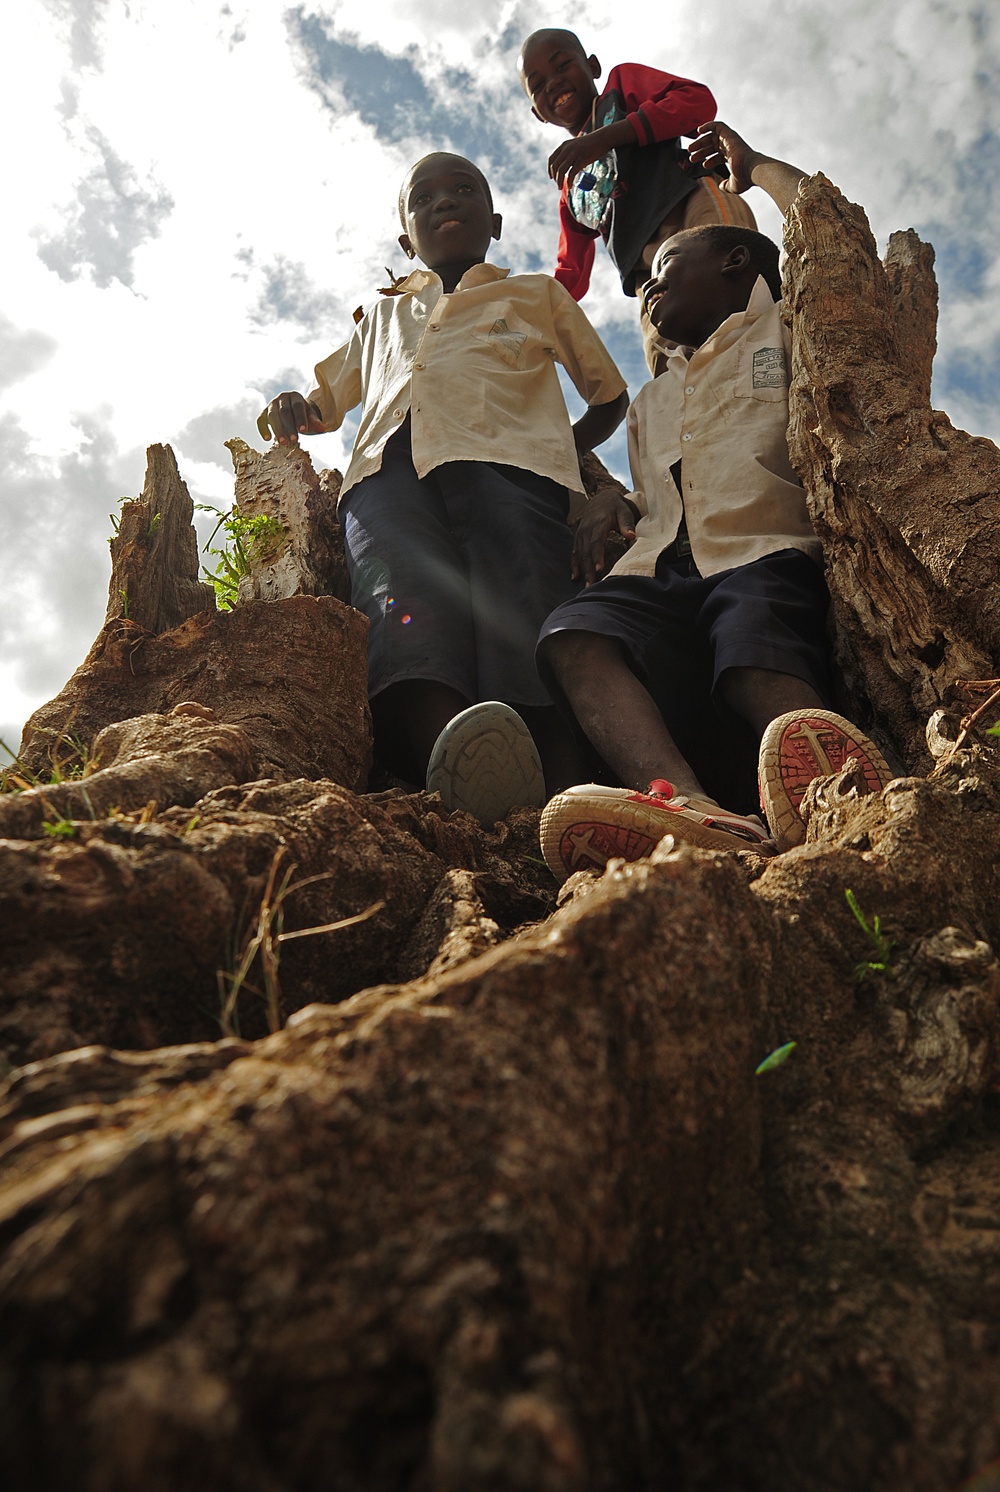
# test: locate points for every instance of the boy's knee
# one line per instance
(569, 651)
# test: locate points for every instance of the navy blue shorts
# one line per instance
(681, 632)
(456, 572)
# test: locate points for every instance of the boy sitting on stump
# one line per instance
(708, 637)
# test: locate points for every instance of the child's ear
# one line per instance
(496, 223)
(595, 67)
(737, 260)
(407, 247)
(537, 115)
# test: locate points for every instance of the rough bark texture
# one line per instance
(531, 1221)
(309, 559)
(150, 910)
(291, 674)
(154, 554)
(908, 507)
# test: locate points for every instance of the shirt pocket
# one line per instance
(762, 373)
(510, 339)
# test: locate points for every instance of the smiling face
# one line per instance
(558, 77)
(447, 213)
(693, 286)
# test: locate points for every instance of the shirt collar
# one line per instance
(760, 303)
(479, 274)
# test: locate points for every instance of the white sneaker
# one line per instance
(586, 826)
(485, 762)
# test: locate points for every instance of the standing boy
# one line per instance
(624, 177)
(455, 502)
(709, 635)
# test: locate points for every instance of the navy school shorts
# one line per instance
(681, 631)
(456, 572)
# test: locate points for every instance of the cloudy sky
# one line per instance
(197, 195)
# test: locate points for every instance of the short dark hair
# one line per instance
(464, 159)
(764, 252)
(560, 31)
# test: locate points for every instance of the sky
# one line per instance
(197, 195)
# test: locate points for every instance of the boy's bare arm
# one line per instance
(718, 145)
(287, 417)
(599, 422)
(606, 511)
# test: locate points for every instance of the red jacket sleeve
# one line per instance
(575, 258)
(660, 106)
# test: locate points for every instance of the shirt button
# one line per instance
(397, 414)
(686, 437)
(433, 327)
(689, 389)
(418, 365)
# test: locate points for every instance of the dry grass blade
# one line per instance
(263, 945)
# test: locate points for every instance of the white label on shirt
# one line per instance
(769, 368)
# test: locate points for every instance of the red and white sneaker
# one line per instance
(585, 827)
(803, 745)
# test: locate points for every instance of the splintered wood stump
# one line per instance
(154, 554)
(307, 558)
(907, 507)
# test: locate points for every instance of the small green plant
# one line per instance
(69, 760)
(116, 519)
(881, 945)
(776, 1058)
(123, 597)
(59, 828)
(262, 944)
(154, 524)
(249, 541)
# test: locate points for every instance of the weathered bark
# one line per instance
(908, 508)
(534, 1223)
(154, 554)
(291, 674)
(150, 762)
(152, 910)
(309, 559)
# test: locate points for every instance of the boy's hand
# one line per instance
(718, 145)
(572, 155)
(607, 512)
(289, 416)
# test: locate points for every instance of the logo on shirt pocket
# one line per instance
(769, 368)
(506, 340)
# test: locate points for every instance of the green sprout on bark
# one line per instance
(248, 542)
(881, 945)
(776, 1058)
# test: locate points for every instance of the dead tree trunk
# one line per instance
(908, 508)
(154, 554)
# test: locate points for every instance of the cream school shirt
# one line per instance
(477, 369)
(722, 411)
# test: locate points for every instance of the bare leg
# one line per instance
(408, 718)
(563, 761)
(760, 695)
(617, 713)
